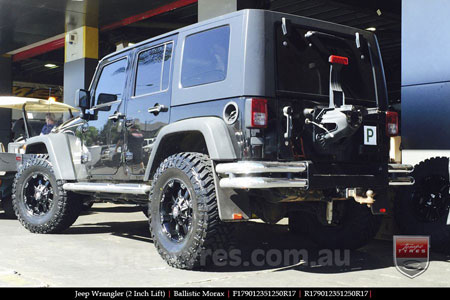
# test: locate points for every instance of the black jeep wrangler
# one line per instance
(254, 114)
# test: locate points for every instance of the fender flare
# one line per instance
(214, 131)
(59, 153)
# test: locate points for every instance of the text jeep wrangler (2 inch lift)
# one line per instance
(254, 114)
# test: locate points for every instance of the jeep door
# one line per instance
(149, 102)
(103, 136)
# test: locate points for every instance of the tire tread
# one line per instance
(70, 207)
(212, 233)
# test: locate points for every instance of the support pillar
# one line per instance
(81, 47)
(5, 90)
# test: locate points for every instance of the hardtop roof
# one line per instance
(246, 13)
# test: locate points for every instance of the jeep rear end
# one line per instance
(254, 114)
(323, 134)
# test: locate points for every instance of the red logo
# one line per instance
(411, 254)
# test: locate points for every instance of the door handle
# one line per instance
(287, 112)
(157, 109)
(116, 116)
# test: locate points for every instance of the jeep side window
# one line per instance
(153, 70)
(205, 57)
(167, 65)
(111, 83)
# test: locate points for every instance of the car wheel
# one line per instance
(40, 202)
(423, 209)
(183, 214)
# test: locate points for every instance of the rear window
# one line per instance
(205, 57)
(303, 67)
(153, 70)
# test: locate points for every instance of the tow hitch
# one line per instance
(357, 194)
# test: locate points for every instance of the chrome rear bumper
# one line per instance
(256, 174)
(398, 174)
(405, 180)
(253, 167)
(262, 183)
(238, 175)
(400, 168)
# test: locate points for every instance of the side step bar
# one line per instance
(94, 187)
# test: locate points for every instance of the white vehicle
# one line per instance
(29, 119)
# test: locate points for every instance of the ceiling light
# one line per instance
(373, 29)
(50, 66)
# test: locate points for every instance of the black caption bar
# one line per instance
(219, 293)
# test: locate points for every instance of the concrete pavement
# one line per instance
(110, 246)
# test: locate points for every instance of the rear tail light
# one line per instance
(391, 123)
(258, 113)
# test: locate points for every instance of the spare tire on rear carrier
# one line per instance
(423, 209)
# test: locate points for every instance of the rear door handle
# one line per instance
(157, 109)
(287, 112)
